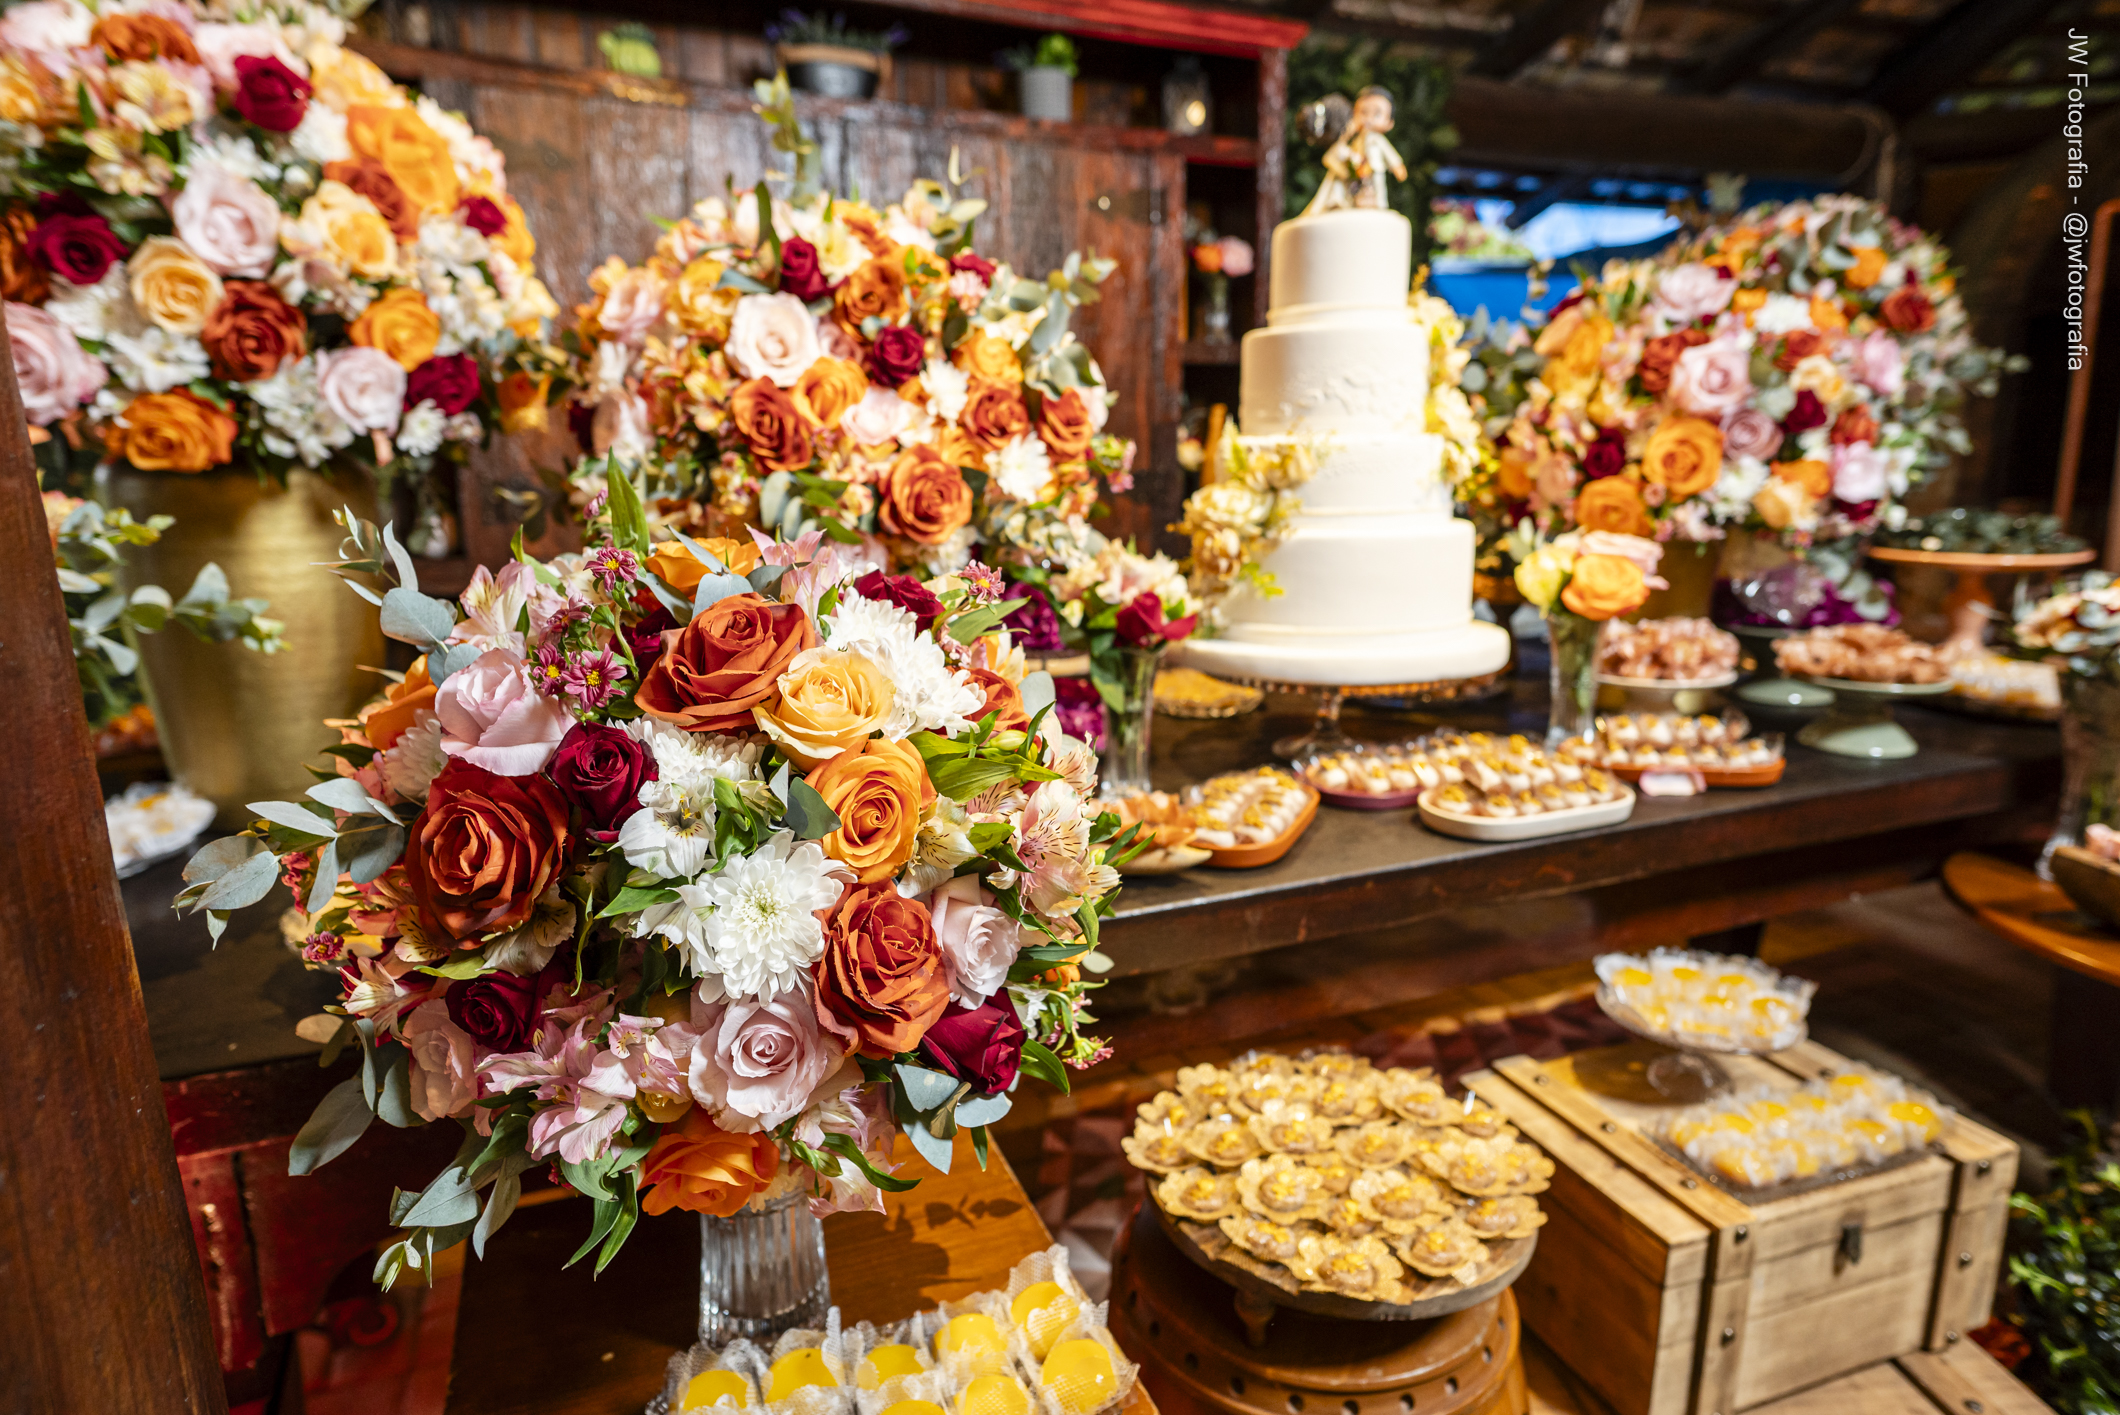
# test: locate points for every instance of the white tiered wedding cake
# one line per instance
(1376, 579)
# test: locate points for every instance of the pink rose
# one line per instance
(443, 1075)
(1747, 432)
(836, 342)
(1860, 473)
(1694, 291)
(364, 387)
(979, 942)
(1237, 258)
(46, 29)
(772, 336)
(1640, 549)
(878, 418)
(632, 305)
(221, 45)
(1878, 363)
(56, 375)
(228, 221)
(1712, 378)
(759, 1064)
(493, 717)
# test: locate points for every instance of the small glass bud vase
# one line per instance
(2090, 762)
(1214, 316)
(761, 1271)
(1572, 713)
(1123, 771)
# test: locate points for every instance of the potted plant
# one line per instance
(823, 56)
(1047, 75)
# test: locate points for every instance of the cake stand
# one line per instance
(1860, 723)
(1689, 1074)
(1771, 688)
(1325, 734)
(1970, 607)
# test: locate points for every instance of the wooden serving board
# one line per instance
(1713, 777)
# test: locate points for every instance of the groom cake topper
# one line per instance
(1359, 157)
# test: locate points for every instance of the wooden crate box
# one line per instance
(1671, 1297)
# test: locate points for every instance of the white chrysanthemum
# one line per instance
(694, 756)
(1023, 470)
(755, 924)
(449, 243)
(238, 154)
(1783, 314)
(420, 430)
(1730, 499)
(928, 695)
(321, 135)
(95, 312)
(415, 759)
(155, 360)
(948, 386)
(299, 422)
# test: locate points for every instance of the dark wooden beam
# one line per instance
(1762, 43)
(102, 1303)
(1391, 32)
(1949, 51)
(1533, 33)
(1558, 189)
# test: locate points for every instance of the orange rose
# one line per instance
(1064, 424)
(724, 663)
(923, 497)
(515, 240)
(1660, 355)
(953, 447)
(827, 388)
(697, 1166)
(252, 332)
(1684, 456)
(21, 278)
(522, 400)
(877, 789)
(1867, 270)
(390, 716)
(415, 155)
(372, 180)
(682, 571)
(1001, 698)
(1815, 477)
(401, 325)
(988, 358)
(173, 432)
(772, 426)
(877, 287)
(1512, 475)
(130, 38)
(1613, 504)
(994, 414)
(1747, 301)
(1603, 586)
(829, 703)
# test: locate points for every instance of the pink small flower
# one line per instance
(982, 581)
(610, 565)
(591, 679)
(326, 948)
(548, 671)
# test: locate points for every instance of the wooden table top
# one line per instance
(2033, 914)
(532, 1338)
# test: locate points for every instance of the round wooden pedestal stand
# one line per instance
(1182, 1323)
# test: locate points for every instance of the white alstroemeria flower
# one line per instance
(944, 843)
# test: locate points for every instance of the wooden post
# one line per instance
(102, 1306)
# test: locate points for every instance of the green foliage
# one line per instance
(1053, 51)
(2065, 1272)
(1419, 87)
(795, 27)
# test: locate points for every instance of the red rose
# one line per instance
(882, 981)
(483, 215)
(1142, 625)
(904, 591)
(724, 663)
(270, 94)
(1606, 456)
(1805, 415)
(982, 1045)
(449, 381)
(483, 850)
(496, 1010)
(979, 265)
(896, 355)
(79, 249)
(1001, 698)
(601, 770)
(800, 273)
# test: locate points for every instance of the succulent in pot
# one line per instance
(822, 56)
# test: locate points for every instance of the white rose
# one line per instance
(364, 387)
(228, 220)
(948, 386)
(979, 942)
(620, 428)
(772, 336)
(878, 418)
(1694, 291)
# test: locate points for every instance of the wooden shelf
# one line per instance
(1212, 150)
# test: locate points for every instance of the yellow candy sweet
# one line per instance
(1634, 977)
(995, 1395)
(710, 1388)
(1915, 1113)
(1043, 1310)
(973, 1339)
(915, 1407)
(1079, 1374)
(885, 1362)
(804, 1366)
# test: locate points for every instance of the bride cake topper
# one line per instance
(1359, 157)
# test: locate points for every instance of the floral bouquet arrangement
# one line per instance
(1792, 371)
(810, 360)
(2075, 627)
(237, 241)
(698, 897)
(1580, 580)
(1221, 259)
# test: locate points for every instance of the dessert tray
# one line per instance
(1445, 819)
(1245, 819)
(1169, 825)
(1702, 1005)
(1714, 749)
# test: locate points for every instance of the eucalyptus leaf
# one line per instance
(449, 1200)
(216, 858)
(1037, 692)
(975, 1111)
(372, 851)
(925, 1090)
(394, 1097)
(244, 885)
(340, 1119)
(327, 879)
(713, 589)
(412, 618)
(808, 815)
(346, 794)
(449, 659)
(935, 1152)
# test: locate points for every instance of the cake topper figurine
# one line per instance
(1356, 162)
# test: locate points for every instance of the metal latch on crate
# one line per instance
(1851, 1240)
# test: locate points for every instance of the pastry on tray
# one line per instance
(1715, 1001)
(1759, 1137)
(1667, 651)
(1860, 653)
(1251, 817)
(1168, 822)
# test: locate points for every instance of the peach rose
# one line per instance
(173, 432)
(172, 286)
(401, 325)
(515, 240)
(1001, 699)
(1814, 476)
(1782, 504)
(354, 232)
(829, 703)
(770, 336)
(1684, 456)
(682, 571)
(1512, 475)
(1613, 504)
(877, 789)
(135, 38)
(771, 426)
(988, 358)
(877, 287)
(1064, 425)
(415, 155)
(994, 414)
(700, 303)
(1603, 586)
(697, 1166)
(341, 79)
(391, 716)
(372, 180)
(827, 389)
(924, 498)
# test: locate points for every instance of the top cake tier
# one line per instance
(1349, 267)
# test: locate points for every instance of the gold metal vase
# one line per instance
(235, 724)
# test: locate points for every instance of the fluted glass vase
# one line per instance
(1123, 771)
(2090, 762)
(762, 1272)
(1573, 641)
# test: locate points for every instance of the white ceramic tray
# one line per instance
(1505, 828)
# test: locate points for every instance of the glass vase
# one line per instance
(1123, 770)
(762, 1272)
(1572, 712)
(2090, 762)
(1214, 319)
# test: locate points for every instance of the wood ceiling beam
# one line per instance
(1533, 32)
(1950, 51)
(1761, 44)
